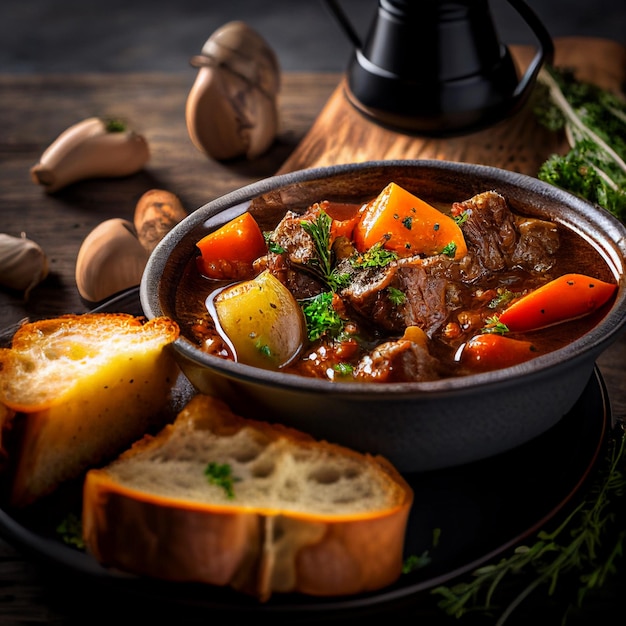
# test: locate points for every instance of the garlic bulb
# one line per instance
(23, 263)
(232, 108)
(110, 259)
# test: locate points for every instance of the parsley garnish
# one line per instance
(220, 474)
(494, 326)
(450, 249)
(376, 256)
(594, 121)
(414, 562)
(396, 296)
(343, 369)
(321, 318)
(264, 349)
(503, 298)
(461, 218)
(71, 531)
(272, 246)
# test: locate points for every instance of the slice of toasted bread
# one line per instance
(300, 515)
(79, 389)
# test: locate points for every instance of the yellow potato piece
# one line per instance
(262, 320)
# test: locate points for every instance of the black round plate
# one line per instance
(478, 512)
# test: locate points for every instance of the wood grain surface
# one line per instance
(317, 127)
(342, 135)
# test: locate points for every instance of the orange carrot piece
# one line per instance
(404, 223)
(565, 298)
(229, 251)
(487, 352)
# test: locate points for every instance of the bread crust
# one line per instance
(258, 550)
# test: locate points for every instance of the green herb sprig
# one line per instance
(575, 548)
(323, 263)
(594, 121)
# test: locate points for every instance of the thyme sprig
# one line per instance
(574, 547)
(323, 263)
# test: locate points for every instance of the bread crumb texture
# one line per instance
(49, 359)
(271, 469)
(302, 516)
(80, 389)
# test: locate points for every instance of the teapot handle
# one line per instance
(343, 21)
(545, 51)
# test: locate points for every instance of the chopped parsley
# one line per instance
(220, 474)
(414, 562)
(343, 369)
(450, 249)
(503, 298)
(321, 318)
(376, 256)
(71, 532)
(396, 296)
(461, 218)
(264, 349)
(272, 246)
(494, 326)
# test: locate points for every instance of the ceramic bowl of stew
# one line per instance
(391, 339)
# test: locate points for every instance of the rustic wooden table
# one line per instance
(35, 109)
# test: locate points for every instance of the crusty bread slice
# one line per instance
(79, 389)
(304, 515)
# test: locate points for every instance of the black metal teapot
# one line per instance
(437, 67)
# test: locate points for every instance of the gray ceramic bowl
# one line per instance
(422, 425)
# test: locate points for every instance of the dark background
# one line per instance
(152, 35)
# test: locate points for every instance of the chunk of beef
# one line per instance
(367, 294)
(498, 239)
(289, 235)
(426, 284)
(297, 249)
(537, 244)
(397, 361)
(489, 229)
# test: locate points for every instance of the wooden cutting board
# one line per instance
(341, 134)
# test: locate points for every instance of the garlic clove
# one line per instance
(23, 263)
(232, 107)
(92, 148)
(156, 213)
(110, 259)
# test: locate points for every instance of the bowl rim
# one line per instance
(584, 349)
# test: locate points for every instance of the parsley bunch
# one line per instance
(594, 121)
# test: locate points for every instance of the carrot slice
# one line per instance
(229, 251)
(404, 223)
(483, 353)
(565, 298)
